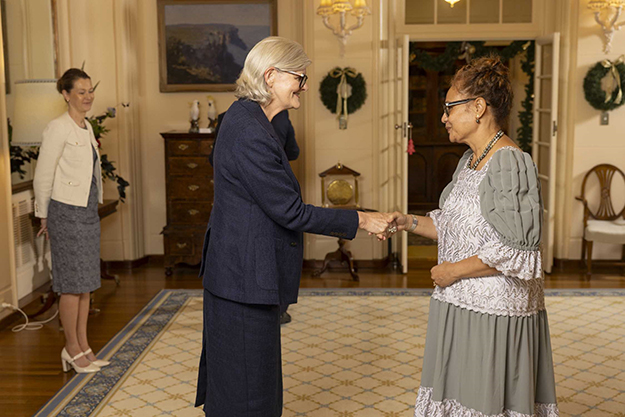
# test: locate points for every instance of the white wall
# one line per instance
(592, 143)
(355, 147)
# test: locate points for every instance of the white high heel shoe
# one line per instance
(68, 362)
(98, 362)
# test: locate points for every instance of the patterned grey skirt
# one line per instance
(75, 245)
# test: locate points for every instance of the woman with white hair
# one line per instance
(252, 256)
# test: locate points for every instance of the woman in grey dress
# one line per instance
(488, 351)
(68, 187)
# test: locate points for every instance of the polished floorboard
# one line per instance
(30, 368)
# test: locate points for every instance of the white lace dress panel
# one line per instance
(427, 407)
(462, 233)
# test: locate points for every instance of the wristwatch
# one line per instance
(415, 222)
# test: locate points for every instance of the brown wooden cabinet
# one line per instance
(189, 183)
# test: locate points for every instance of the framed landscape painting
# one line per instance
(203, 43)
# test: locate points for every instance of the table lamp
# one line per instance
(36, 104)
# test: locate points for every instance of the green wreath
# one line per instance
(330, 83)
(595, 95)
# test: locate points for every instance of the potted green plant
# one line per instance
(108, 169)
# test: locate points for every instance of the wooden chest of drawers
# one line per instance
(189, 182)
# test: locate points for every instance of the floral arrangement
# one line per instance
(108, 169)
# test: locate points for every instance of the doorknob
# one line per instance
(406, 128)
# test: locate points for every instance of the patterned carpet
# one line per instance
(353, 353)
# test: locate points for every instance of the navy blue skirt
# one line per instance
(241, 366)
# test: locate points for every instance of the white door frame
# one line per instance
(547, 144)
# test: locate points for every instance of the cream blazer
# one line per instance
(65, 165)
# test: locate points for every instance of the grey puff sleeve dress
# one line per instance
(488, 350)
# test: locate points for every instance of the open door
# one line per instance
(402, 132)
(394, 131)
(545, 136)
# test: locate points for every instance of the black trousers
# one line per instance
(240, 371)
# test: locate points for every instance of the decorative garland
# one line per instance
(526, 116)
(330, 84)
(595, 95)
(453, 50)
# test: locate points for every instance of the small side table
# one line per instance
(341, 255)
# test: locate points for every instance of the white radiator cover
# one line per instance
(32, 254)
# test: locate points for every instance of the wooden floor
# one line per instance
(30, 368)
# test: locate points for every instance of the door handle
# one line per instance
(406, 129)
(555, 128)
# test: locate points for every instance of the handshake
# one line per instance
(382, 225)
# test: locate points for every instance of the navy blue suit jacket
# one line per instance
(283, 128)
(253, 245)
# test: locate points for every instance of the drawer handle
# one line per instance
(212, 181)
(193, 212)
(181, 245)
(192, 165)
(212, 146)
(183, 147)
(194, 187)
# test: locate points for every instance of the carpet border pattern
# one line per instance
(82, 395)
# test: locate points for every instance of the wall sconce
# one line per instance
(608, 24)
(328, 8)
(452, 2)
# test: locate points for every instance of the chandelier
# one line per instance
(341, 8)
(607, 13)
(452, 2)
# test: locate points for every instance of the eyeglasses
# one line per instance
(302, 77)
(451, 104)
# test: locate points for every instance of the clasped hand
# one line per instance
(382, 225)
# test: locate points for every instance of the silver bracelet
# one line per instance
(415, 222)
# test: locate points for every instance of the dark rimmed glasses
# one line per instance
(451, 104)
(302, 77)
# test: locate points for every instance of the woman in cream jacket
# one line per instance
(68, 187)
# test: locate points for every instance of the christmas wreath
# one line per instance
(341, 77)
(597, 96)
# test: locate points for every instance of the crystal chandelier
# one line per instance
(341, 8)
(607, 13)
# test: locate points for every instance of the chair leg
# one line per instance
(584, 242)
(589, 261)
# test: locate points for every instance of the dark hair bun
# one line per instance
(66, 82)
(489, 78)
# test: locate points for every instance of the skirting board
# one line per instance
(598, 266)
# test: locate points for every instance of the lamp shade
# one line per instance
(597, 5)
(341, 6)
(36, 104)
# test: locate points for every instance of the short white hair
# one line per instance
(273, 51)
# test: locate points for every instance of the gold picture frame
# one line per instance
(203, 43)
